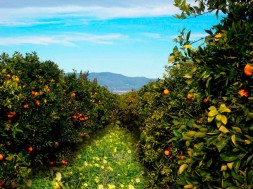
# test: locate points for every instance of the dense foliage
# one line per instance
(42, 111)
(196, 124)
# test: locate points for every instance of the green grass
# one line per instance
(108, 160)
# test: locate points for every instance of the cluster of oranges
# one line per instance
(64, 162)
(80, 117)
(248, 71)
(35, 93)
(46, 88)
(10, 115)
(167, 151)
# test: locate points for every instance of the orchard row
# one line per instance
(42, 111)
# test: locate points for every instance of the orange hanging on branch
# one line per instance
(248, 70)
(166, 91)
(243, 92)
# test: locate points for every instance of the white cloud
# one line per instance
(31, 15)
(67, 39)
(153, 35)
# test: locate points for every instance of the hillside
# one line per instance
(118, 82)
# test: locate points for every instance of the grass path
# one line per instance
(106, 161)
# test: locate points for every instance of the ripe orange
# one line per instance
(47, 89)
(30, 149)
(51, 163)
(73, 95)
(205, 100)
(37, 102)
(181, 156)
(166, 152)
(243, 92)
(248, 70)
(1, 157)
(166, 91)
(189, 96)
(35, 93)
(64, 162)
(74, 117)
(9, 121)
(169, 148)
(10, 116)
(26, 106)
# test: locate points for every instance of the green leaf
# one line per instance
(224, 119)
(9, 158)
(248, 161)
(224, 167)
(187, 76)
(237, 176)
(209, 32)
(177, 134)
(229, 157)
(237, 129)
(182, 168)
(191, 133)
(188, 186)
(221, 144)
(205, 75)
(218, 123)
(233, 138)
(210, 119)
(200, 134)
(212, 108)
(188, 36)
(223, 129)
(207, 82)
(171, 59)
(188, 46)
(230, 165)
(212, 113)
(223, 109)
(218, 117)
(250, 177)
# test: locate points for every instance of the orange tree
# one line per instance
(219, 138)
(43, 111)
(199, 134)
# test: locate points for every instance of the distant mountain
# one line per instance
(117, 82)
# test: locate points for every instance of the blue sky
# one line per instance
(130, 37)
